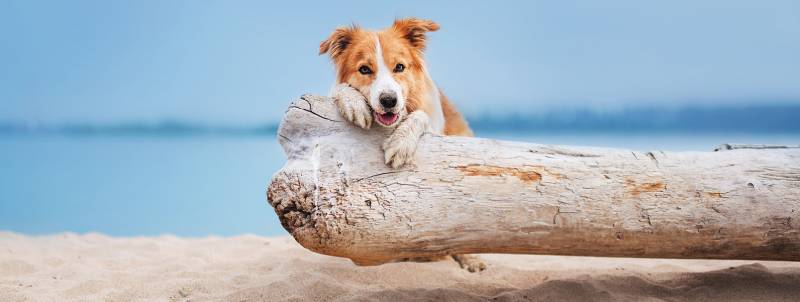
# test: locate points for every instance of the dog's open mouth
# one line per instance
(386, 119)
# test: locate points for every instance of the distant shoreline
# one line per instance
(774, 118)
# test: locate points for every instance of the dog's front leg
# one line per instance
(399, 148)
(352, 105)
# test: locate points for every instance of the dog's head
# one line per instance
(386, 66)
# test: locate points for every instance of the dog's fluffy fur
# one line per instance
(376, 68)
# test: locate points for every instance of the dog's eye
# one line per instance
(364, 70)
(399, 68)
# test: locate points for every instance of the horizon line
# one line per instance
(759, 118)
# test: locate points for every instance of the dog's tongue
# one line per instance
(387, 118)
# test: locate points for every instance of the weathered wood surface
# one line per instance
(336, 196)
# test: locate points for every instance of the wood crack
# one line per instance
(379, 174)
(314, 113)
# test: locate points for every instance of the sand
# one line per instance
(92, 267)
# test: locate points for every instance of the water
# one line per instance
(129, 186)
(197, 185)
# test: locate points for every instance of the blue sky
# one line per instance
(240, 62)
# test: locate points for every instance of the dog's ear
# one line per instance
(339, 40)
(414, 30)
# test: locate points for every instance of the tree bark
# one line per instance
(463, 195)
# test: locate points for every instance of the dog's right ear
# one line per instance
(339, 40)
(414, 30)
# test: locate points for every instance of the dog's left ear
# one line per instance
(414, 30)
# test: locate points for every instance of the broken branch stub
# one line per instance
(470, 195)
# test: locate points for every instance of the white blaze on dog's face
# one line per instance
(386, 66)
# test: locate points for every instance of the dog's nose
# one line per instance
(388, 99)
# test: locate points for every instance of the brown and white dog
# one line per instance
(381, 76)
(388, 70)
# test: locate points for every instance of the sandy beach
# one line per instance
(93, 267)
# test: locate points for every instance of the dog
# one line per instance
(381, 78)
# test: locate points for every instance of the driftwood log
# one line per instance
(336, 196)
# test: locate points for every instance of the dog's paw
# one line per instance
(471, 263)
(352, 105)
(399, 148)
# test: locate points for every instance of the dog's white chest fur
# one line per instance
(436, 121)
